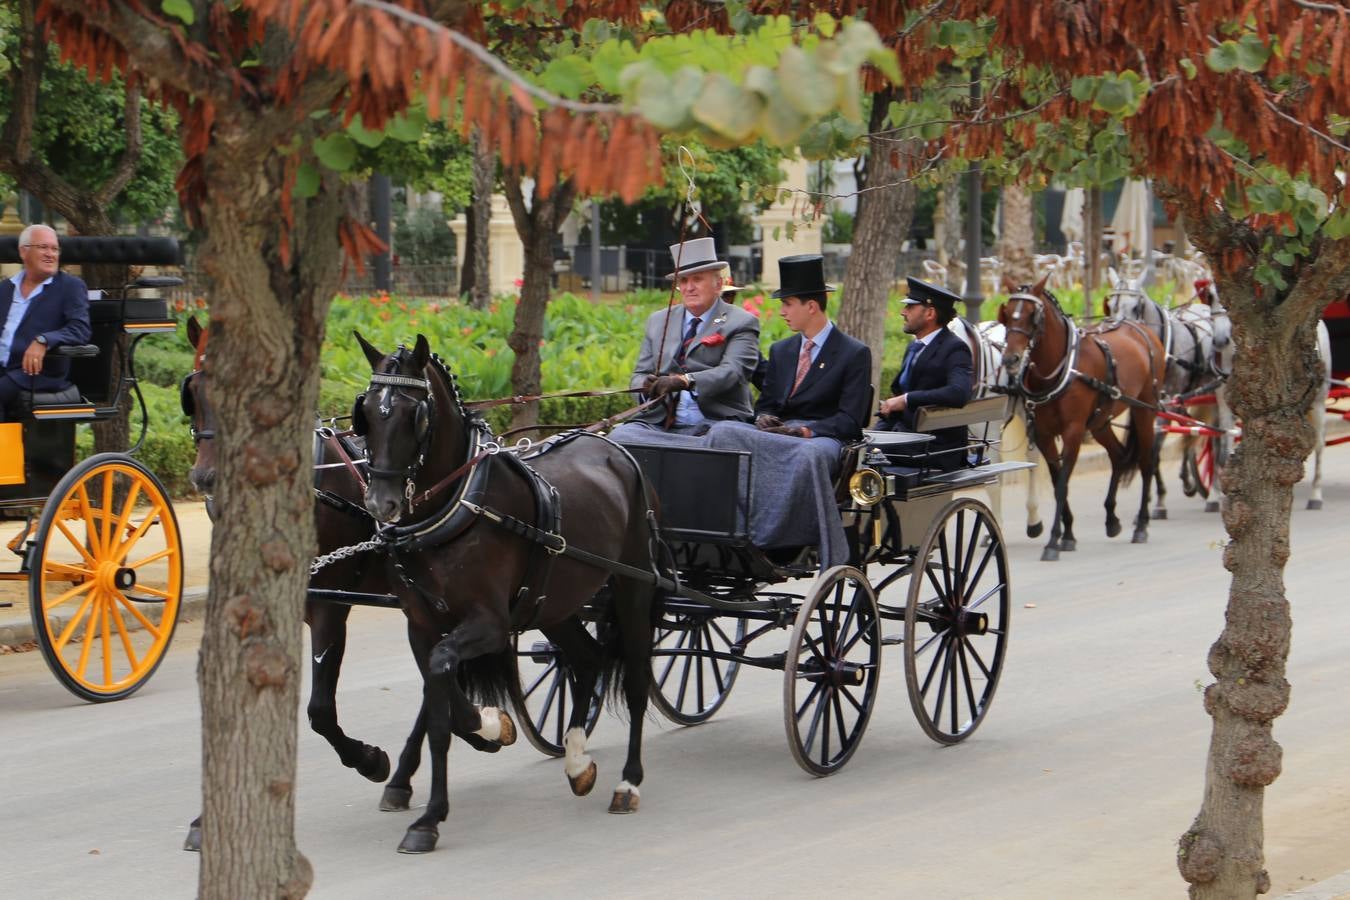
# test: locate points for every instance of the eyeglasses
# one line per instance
(46, 248)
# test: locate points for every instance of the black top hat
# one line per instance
(941, 299)
(802, 275)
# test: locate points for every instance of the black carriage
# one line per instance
(99, 547)
(927, 570)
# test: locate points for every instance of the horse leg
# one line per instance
(1142, 422)
(633, 612)
(1034, 524)
(1058, 480)
(1115, 451)
(1319, 423)
(398, 792)
(1159, 508)
(1221, 447)
(583, 655)
(328, 643)
(448, 709)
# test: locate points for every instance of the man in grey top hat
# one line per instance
(699, 355)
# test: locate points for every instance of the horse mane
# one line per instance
(441, 367)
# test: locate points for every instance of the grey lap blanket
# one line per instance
(791, 483)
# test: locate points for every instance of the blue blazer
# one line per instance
(941, 376)
(835, 393)
(61, 312)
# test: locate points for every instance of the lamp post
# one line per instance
(381, 213)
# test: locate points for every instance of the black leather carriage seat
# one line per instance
(69, 403)
(131, 250)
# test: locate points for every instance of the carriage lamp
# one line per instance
(866, 487)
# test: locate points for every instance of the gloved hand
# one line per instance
(666, 384)
(789, 430)
(766, 422)
(647, 384)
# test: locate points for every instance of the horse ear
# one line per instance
(1112, 278)
(374, 356)
(1039, 288)
(421, 353)
(194, 331)
(1010, 285)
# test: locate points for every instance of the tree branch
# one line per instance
(1207, 225)
(1320, 7)
(1325, 279)
(131, 154)
(1301, 124)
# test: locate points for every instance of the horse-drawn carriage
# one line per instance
(99, 546)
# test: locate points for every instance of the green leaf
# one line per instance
(1252, 54)
(408, 126)
(336, 151)
(1114, 95)
(1223, 58)
(1189, 68)
(1337, 225)
(568, 76)
(306, 182)
(1283, 257)
(362, 135)
(810, 90)
(180, 9)
(727, 108)
(1084, 88)
(825, 24)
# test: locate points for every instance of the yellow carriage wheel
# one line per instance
(106, 577)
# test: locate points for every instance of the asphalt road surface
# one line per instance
(1088, 767)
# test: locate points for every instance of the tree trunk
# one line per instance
(950, 198)
(1017, 238)
(1092, 246)
(536, 225)
(267, 328)
(478, 238)
(884, 217)
(1276, 377)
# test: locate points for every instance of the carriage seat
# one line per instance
(66, 403)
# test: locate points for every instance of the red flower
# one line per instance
(712, 340)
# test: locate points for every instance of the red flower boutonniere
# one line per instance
(712, 340)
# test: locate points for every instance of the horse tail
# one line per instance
(490, 679)
(1131, 459)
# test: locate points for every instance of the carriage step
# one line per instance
(891, 640)
(5, 604)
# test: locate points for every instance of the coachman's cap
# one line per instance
(941, 299)
(698, 255)
(801, 275)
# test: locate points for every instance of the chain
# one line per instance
(342, 553)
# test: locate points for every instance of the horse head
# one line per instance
(414, 424)
(201, 419)
(1127, 299)
(1023, 319)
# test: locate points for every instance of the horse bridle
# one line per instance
(1063, 373)
(422, 425)
(190, 409)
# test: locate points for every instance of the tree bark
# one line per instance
(1092, 245)
(536, 225)
(477, 253)
(884, 217)
(950, 199)
(1017, 239)
(267, 328)
(1276, 378)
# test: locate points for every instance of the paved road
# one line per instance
(1088, 767)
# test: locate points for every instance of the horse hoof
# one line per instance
(1140, 537)
(1034, 531)
(624, 802)
(1068, 545)
(1049, 554)
(193, 842)
(379, 773)
(1112, 529)
(1160, 514)
(508, 732)
(395, 799)
(1212, 506)
(583, 783)
(419, 840)
(482, 745)
(1314, 504)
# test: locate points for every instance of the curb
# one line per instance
(1334, 888)
(17, 630)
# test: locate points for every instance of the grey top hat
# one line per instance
(698, 255)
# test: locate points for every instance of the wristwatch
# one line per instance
(41, 339)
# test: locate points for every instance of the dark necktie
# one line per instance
(911, 354)
(689, 336)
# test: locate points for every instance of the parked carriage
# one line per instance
(100, 548)
(927, 571)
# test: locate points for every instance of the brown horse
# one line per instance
(486, 544)
(1074, 383)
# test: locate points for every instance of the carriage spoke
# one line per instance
(975, 654)
(958, 553)
(77, 544)
(839, 717)
(932, 667)
(945, 563)
(945, 656)
(128, 506)
(125, 547)
(74, 622)
(815, 689)
(49, 605)
(106, 514)
(534, 685)
(126, 638)
(968, 581)
(988, 555)
(93, 537)
(986, 595)
(810, 739)
(86, 638)
(954, 664)
(848, 695)
(966, 679)
(107, 646)
(697, 638)
(153, 557)
(823, 709)
(140, 617)
(932, 579)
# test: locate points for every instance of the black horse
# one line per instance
(486, 545)
(340, 521)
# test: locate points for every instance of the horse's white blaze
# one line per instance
(491, 718)
(575, 758)
(626, 788)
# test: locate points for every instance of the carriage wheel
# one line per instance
(1205, 464)
(831, 670)
(688, 689)
(543, 697)
(106, 577)
(956, 621)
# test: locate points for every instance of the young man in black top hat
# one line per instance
(936, 371)
(818, 382)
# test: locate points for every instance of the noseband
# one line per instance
(189, 406)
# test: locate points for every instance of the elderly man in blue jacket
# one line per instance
(41, 308)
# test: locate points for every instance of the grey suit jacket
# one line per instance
(721, 370)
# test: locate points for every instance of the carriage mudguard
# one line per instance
(11, 453)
